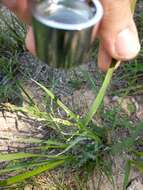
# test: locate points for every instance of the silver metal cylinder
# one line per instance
(64, 30)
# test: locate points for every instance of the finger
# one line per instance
(19, 7)
(104, 59)
(30, 42)
(117, 31)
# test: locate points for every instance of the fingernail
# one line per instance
(127, 44)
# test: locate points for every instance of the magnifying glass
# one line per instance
(65, 30)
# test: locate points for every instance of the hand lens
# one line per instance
(64, 30)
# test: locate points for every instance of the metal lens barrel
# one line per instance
(64, 33)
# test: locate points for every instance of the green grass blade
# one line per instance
(72, 144)
(39, 141)
(127, 174)
(92, 135)
(63, 122)
(47, 147)
(17, 156)
(53, 97)
(31, 101)
(19, 178)
(97, 102)
(21, 166)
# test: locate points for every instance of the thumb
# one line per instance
(118, 32)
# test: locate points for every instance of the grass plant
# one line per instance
(87, 146)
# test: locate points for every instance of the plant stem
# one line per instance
(97, 102)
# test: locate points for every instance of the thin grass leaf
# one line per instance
(91, 135)
(17, 156)
(39, 141)
(47, 147)
(21, 177)
(72, 144)
(97, 102)
(63, 122)
(21, 166)
(127, 174)
(31, 101)
(53, 97)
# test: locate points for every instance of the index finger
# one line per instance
(20, 8)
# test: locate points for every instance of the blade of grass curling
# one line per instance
(97, 102)
(53, 97)
(19, 178)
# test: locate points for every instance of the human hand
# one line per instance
(117, 31)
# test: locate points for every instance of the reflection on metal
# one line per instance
(64, 32)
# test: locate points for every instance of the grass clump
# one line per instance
(86, 147)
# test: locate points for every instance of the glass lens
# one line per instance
(65, 11)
